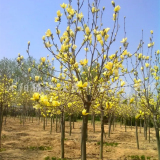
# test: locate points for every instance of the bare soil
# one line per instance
(21, 142)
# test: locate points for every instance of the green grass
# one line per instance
(4, 136)
(136, 157)
(54, 158)
(42, 148)
(2, 149)
(113, 144)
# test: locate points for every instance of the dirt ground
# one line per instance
(19, 142)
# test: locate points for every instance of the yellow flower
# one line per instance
(80, 85)
(101, 42)
(124, 40)
(29, 69)
(122, 83)
(58, 85)
(147, 64)
(113, 3)
(93, 9)
(84, 112)
(99, 37)
(109, 65)
(43, 59)
(74, 46)
(114, 16)
(158, 52)
(36, 78)
(59, 13)
(87, 30)
(56, 19)
(151, 31)
(131, 100)
(150, 44)
(36, 96)
(63, 5)
(43, 38)
(117, 8)
(106, 37)
(48, 33)
(104, 57)
(18, 59)
(106, 30)
(137, 116)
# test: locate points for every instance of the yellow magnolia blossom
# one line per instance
(124, 40)
(150, 44)
(131, 100)
(93, 9)
(80, 85)
(109, 65)
(84, 62)
(117, 8)
(107, 30)
(58, 85)
(109, 105)
(48, 33)
(56, 103)
(137, 116)
(43, 59)
(59, 14)
(63, 5)
(84, 112)
(104, 57)
(87, 30)
(122, 83)
(36, 78)
(29, 69)
(36, 96)
(114, 16)
(147, 65)
(151, 31)
(158, 51)
(106, 37)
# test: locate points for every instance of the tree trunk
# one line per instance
(137, 134)
(156, 124)
(56, 123)
(149, 128)
(70, 126)
(140, 124)
(44, 123)
(84, 129)
(102, 131)
(110, 124)
(51, 126)
(1, 122)
(93, 119)
(62, 134)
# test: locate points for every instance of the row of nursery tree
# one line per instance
(83, 76)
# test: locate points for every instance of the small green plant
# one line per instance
(54, 158)
(4, 136)
(2, 149)
(113, 144)
(136, 157)
(42, 148)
